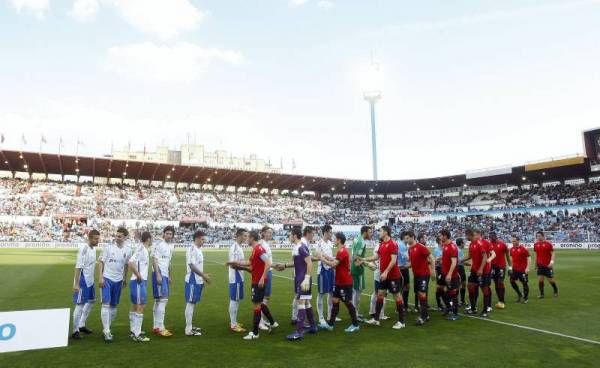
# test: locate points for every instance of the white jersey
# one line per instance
(115, 260)
(194, 256)
(377, 271)
(86, 261)
(265, 244)
(162, 252)
(141, 259)
(325, 247)
(236, 254)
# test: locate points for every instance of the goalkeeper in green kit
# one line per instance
(359, 249)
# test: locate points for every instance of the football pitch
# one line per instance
(553, 332)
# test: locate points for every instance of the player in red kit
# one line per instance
(259, 263)
(499, 267)
(480, 253)
(342, 289)
(450, 274)
(390, 279)
(521, 261)
(544, 259)
(423, 266)
(486, 247)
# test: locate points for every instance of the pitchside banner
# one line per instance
(34, 329)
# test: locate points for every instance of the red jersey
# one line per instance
(449, 251)
(343, 277)
(475, 254)
(486, 247)
(386, 250)
(519, 256)
(257, 264)
(501, 250)
(419, 254)
(543, 253)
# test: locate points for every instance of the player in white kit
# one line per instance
(194, 281)
(162, 253)
(112, 276)
(138, 265)
(84, 292)
(325, 273)
(236, 279)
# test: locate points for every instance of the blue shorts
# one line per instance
(326, 280)
(160, 291)
(236, 291)
(111, 292)
(86, 294)
(193, 291)
(269, 283)
(137, 291)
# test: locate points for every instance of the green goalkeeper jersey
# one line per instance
(359, 249)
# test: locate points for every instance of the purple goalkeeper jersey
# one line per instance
(299, 253)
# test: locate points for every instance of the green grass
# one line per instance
(35, 279)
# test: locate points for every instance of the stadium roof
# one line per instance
(49, 163)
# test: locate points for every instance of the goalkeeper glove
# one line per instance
(305, 285)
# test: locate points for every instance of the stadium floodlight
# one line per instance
(371, 85)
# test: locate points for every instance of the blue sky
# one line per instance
(466, 85)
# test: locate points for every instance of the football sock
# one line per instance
(310, 316)
(423, 305)
(320, 305)
(263, 319)
(463, 291)
(77, 316)
(329, 304)
(487, 297)
(405, 294)
(473, 295)
(438, 297)
(516, 288)
(500, 291)
(356, 300)
(256, 319)
(131, 320)
(139, 319)
(525, 290)
(155, 314)
(372, 304)
(554, 286)
(87, 308)
(265, 310)
(352, 312)
(300, 320)
(541, 287)
(378, 307)
(189, 317)
(105, 317)
(295, 309)
(233, 310)
(334, 312)
(400, 310)
(161, 313)
(113, 313)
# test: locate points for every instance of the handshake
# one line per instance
(278, 266)
(359, 261)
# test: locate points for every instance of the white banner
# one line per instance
(35, 329)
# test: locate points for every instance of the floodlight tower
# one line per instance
(372, 97)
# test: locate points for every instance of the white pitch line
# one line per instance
(491, 320)
(501, 322)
